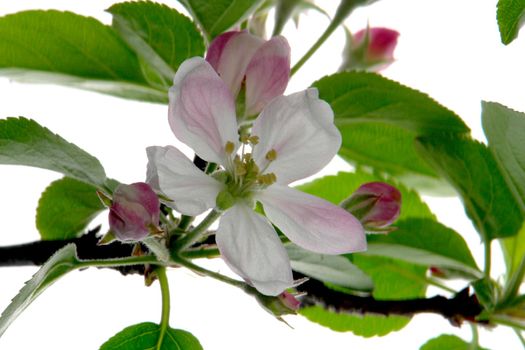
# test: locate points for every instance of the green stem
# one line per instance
(488, 259)
(165, 292)
(435, 283)
(185, 222)
(345, 8)
(128, 261)
(201, 270)
(201, 253)
(474, 343)
(520, 337)
(505, 321)
(514, 283)
(194, 235)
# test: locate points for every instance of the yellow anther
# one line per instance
(253, 140)
(245, 139)
(229, 147)
(247, 157)
(271, 155)
(240, 169)
(267, 179)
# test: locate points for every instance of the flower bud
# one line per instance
(375, 204)
(263, 66)
(134, 211)
(283, 304)
(370, 49)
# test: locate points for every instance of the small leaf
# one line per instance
(487, 292)
(24, 142)
(449, 342)
(425, 242)
(162, 37)
(379, 119)
(62, 262)
(505, 131)
(470, 167)
(328, 268)
(146, 335)
(216, 17)
(392, 279)
(69, 49)
(511, 14)
(65, 208)
(514, 250)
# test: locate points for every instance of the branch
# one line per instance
(463, 306)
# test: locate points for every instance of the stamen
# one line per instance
(245, 139)
(229, 147)
(253, 140)
(267, 179)
(271, 155)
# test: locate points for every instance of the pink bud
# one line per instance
(289, 300)
(283, 304)
(135, 209)
(370, 49)
(375, 204)
(264, 66)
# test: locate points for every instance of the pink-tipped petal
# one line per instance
(230, 54)
(300, 128)
(312, 222)
(267, 74)
(192, 191)
(201, 110)
(250, 246)
(381, 42)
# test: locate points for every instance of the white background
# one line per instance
(449, 49)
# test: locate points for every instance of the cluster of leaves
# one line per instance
(390, 132)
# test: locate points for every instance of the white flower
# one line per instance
(293, 137)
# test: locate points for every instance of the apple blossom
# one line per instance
(264, 66)
(370, 49)
(135, 209)
(376, 204)
(293, 137)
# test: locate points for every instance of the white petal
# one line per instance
(192, 191)
(300, 128)
(202, 110)
(312, 222)
(250, 246)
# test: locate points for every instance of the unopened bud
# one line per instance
(370, 49)
(283, 304)
(134, 210)
(375, 204)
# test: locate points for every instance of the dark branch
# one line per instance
(463, 306)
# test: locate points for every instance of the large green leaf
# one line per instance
(160, 36)
(379, 119)
(471, 168)
(62, 262)
(505, 131)
(511, 14)
(449, 342)
(65, 208)
(145, 335)
(425, 242)
(393, 279)
(328, 268)
(25, 142)
(69, 49)
(218, 16)
(336, 188)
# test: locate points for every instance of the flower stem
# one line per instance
(194, 235)
(488, 259)
(345, 8)
(165, 292)
(514, 283)
(520, 337)
(128, 261)
(474, 343)
(505, 321)
(201, 270)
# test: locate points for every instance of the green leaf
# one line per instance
(69, 49)
(328, 268)
(514, 250)
(160, 36)
(25, 142)
(449, 342)
(145, 335)
(425, 242)
(62, 262)
(393, 279)
(65, 208)
(470, 167)
(216, 17)
(379, 119)
(505, 131)
(511, 14)
(336, 188)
